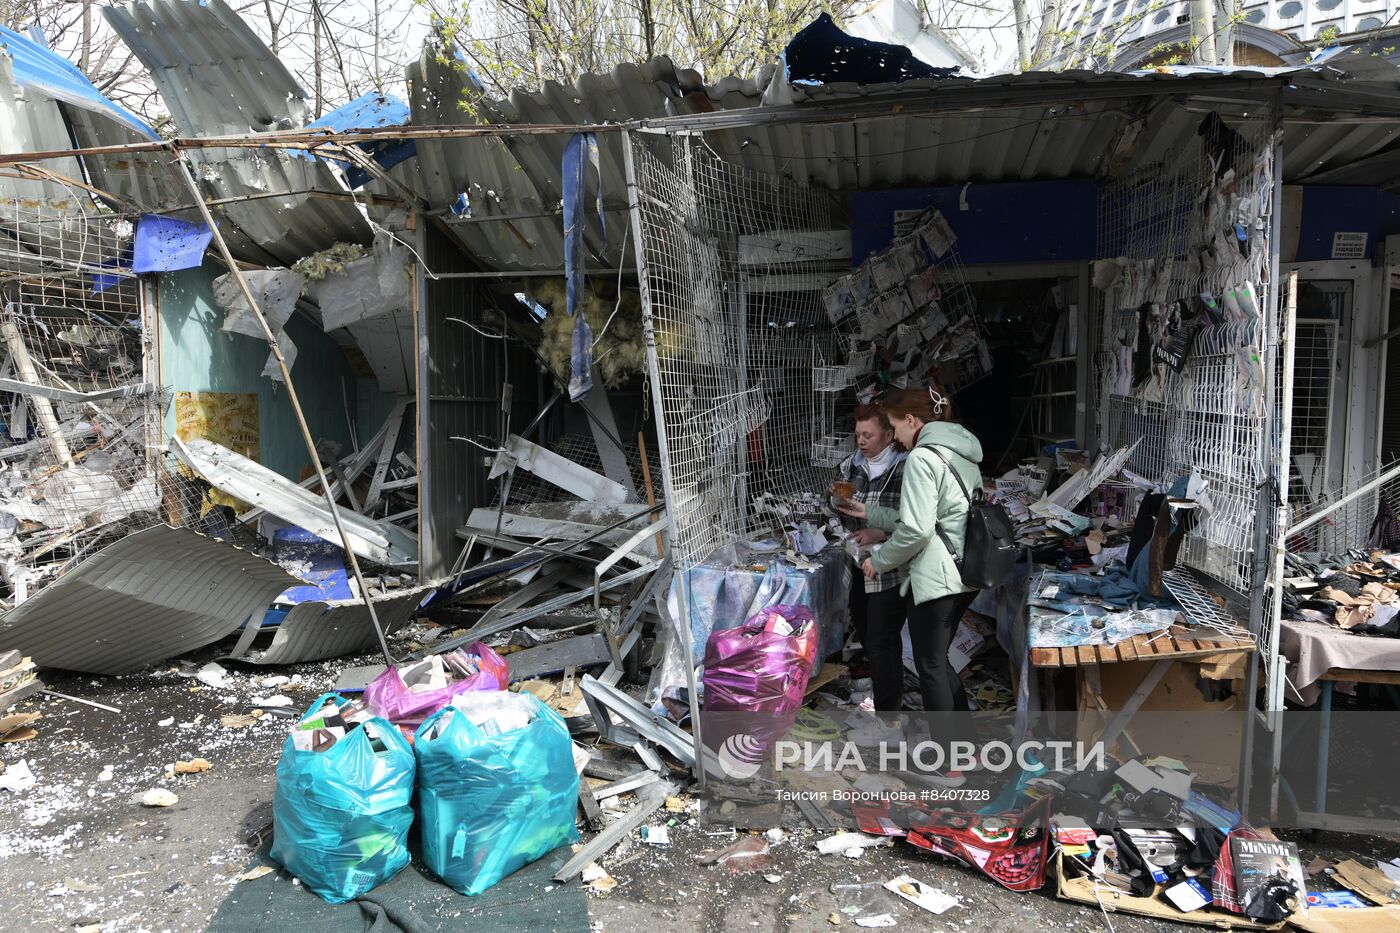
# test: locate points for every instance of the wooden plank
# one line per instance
(1106, 654)
(1126, 651)
(1045, 657)
(1086, 654)
(1362, 677)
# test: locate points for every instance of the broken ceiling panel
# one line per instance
(313, 631)
(253, 483)
(218, 78)
(154, 594)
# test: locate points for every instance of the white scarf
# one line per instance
(875, 466)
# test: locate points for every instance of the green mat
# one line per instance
(411, 902)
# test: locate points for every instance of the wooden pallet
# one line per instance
(1179, 644)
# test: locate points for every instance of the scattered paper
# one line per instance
(933, 900)
(212, 675)
(240, 720)
(656, 835)
(841, 842)
(879, 920)
(159, 797)
(80, 887)
(166, 723)
(255, 872)
(772, 879)
(276, 701)
(18, 777)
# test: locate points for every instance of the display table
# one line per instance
(1313, 649)
(732, 585)
(1319, 656)
(1176, 643)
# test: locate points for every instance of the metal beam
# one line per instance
(648, 802)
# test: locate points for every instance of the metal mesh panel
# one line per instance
(1167, 220)
(733, 294)
(77, 473)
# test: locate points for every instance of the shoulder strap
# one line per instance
(958, 479)
(938, 528)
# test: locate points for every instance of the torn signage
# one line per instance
(155, 594)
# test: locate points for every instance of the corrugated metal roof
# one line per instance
(520, 177)
(37, 68)
(217, 77)
(1073, 136)
(155, 594)
(316, 630)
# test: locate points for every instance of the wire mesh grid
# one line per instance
(1314, 370)
(1163, 225)
(1345, 520)
(80, 459)
(66, 237)
(735, 267)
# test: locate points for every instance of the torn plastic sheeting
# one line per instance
(373, 286)
(153, 595)
(289, 353)
(251, 482)
(580, 153)
(165, 244)
(314, 631)
(275, 290)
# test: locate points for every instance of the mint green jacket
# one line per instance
(930, 498)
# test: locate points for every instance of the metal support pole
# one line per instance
(1274, 663)
(680, 564)
(291, 396)
(1265, 499)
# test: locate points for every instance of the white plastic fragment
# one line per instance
(159, 797)
(843, 841)
(17, 776)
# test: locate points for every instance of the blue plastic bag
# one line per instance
(341, 816)
(493, 799)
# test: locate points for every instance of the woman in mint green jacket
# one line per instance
(930, 499)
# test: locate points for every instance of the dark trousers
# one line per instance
(859, 606)
(932, 626)
(884, 620)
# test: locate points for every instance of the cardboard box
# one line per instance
(1084, 889)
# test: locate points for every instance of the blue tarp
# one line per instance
(822, 54)
(579, 154)
(370, 111)
(165, 244)
(37, 68)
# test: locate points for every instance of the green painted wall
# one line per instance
(197, 356)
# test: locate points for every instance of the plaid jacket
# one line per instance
(884, 491)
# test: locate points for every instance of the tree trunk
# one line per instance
(317, 85)
(1023, 35)
(271, 25)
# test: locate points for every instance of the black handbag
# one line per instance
(989, 546)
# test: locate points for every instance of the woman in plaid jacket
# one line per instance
(876, 470)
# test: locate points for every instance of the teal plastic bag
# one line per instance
(493, 797)
(341, 816)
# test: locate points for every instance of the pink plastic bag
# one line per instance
(755, 668)
(388, 696)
